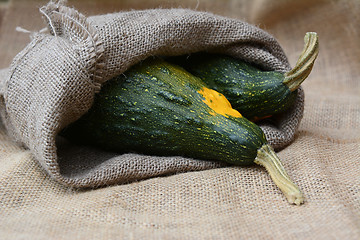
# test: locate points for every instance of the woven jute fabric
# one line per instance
(52, 83)
(215, 202)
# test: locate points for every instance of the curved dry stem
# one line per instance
(305, 63)
(267, 157)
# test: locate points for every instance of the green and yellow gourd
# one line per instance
(255, 93)
(157, 108)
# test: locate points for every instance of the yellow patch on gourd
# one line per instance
(218, 103)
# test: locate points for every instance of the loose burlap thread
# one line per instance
(52, 83)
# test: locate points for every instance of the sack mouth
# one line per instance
(103, 168)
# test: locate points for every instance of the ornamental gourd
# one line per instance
(158, 108)
(254, 92)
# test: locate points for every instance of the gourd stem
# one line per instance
(267, 157)
(304, 65)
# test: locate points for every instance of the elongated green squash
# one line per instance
(160, 109)
(255, 93)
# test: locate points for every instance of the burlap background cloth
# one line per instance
(224, 203)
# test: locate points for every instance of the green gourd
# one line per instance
(157, 108)
(254, 92)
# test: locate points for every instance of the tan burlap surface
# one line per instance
(220, 203)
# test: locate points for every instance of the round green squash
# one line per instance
(157, 108)
(254, 92)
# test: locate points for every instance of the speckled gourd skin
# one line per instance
(253, 92)
(155, 109)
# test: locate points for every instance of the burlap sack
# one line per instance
(52, 82)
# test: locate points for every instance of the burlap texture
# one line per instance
(52, 82)
(219, 203)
